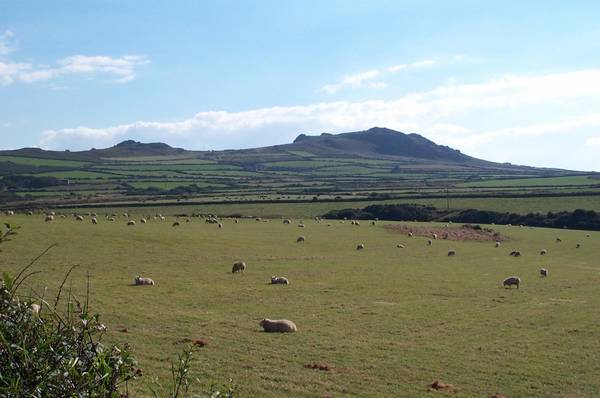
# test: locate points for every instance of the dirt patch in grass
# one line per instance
(465, 232)
(440, 385)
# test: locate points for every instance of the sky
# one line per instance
(506, 81)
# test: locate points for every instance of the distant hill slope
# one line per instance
(379, 142)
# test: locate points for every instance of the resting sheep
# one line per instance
(400, 246)
(300, 239)
(239, 266)
(360, 246)
(278, 326)
(220, 225)
(543, 252)
(49, 218)
(451, 253)
(143, 281)
(176, 224)
(301, 225)
(512, 281)
(130, 222)
(543, 272)
(515, 253)
(279, 280)
(286, 221)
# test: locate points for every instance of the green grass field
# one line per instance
(387, 321)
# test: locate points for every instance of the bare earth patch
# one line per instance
(458, 233)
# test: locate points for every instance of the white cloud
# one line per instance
(353, 81)
(121, 69)
(593, 141)
(418, 64)
(441, 114)
(6, 43)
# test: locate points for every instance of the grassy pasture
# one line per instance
(27, 161)
(387, 321)
(533, 182)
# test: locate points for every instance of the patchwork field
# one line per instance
(387, 321)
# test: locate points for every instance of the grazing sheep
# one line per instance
(278, 326)
(52, 213)
(434, 236)
(400, 246)
(130, 222)
(94, 215)
(451, 253)
(357, 223)
(515, 253)
(429, 242)
(558, 240)
(10, 213)
(35, 309)
(301, 225)
(143, 221)
(410, 234)
(360, 246)
(162, 218)
(94, 220)
(578, 246)
(79, 218)
(176, 224)
(300, 239)
(220, 225)
(236, 221)
(543, 252)
(279, 280)
(30, 213)
(111, 219)
(49, 218)
(239, 266)
(373, 223)
(512, 281)
(497, 244)
(143, 281)
(543, 272)
(286, 221)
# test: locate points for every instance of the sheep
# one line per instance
(434, 236)
(400, 246)
(236, 221)
(143, 221)
(30, 213)
(220, 225)
(278, 326)
(543, 252)
(130, 222)
(410, 234)
(176, 224)
(300, 239)
(357, 223)
(300, 225)
(451, 253)
(577, 246)
(498, 244)
(49, 218)
(10, 213)
(512, 281)
(143, 281)
(52, 213)
(35, 309)
(558, 240)
(162, 218)
(543, 272)
(515, 253)
(188, 220)
(79, 218)
(94, 220)
(287, 221)
(279, 280)
(111, 219)
(126, 215)
(239, 266)
(587, 235)
(429, 242)
(360, 246)
(373, 223)
(94, 215)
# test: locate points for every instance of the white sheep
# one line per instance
(10, 213)
(143, 221)
(429, 242)
(360, 246)
(451, 253)
(498, 244)
(94, 220)
(220, 225)
(543, 252)
(35, 308)
(79, 218)
(577, 246)
(143, 281)
(49, 218)
(543, 272)
(131, 222)
(176, 224)
(434, 236)
(410, 234)
(239, 266)
(300, 239)
(512, 281)
(278, 325)
(279, 280)
(301, 225)
(287, 221)
(400, 246)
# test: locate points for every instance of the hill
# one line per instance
(375, 164)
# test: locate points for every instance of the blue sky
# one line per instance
(514, 81)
